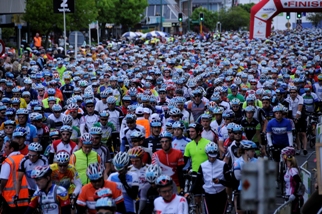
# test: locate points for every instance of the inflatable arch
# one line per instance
(263, 12)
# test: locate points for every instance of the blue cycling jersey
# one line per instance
(238, 165)
(279, 131)
(31, 133)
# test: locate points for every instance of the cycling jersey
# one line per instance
(308, 101)
(196, 151)
(86, 198)
(126, 136)
(180, 143)
(51, 202)
(114, 118)
(26, 166)
(104, 153)
(177, 205)
(132, 180)
(239, 164)
(87, 121)
(290, 184)
(279, 131)
(70, 180)
(152, 143)
(106, 131)
(223, 133)
(250, 129)
(31, 132)
(196, 109)
(100, 106)
(169, 162)
(56, 123)
(58, 146)
(210, 135)
(140, 174)
(232, 151)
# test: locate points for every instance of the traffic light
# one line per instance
(299, 15)
(288, 15)
(201, 17)
(180, 17)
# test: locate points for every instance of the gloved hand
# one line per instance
(271, 148)
(15, 199)
(291, 198)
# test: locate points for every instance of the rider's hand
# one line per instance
(291, 198)
(187, 195)
(15, 198)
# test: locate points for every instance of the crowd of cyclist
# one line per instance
(121, 127)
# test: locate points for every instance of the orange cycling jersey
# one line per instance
(86, 196)
(169, 162)
(64, 180)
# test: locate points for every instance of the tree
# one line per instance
(41, 16)
(106, 13)
(247, 7)
(315, 18)
(129, 12)
(234, 18)
(210, 18)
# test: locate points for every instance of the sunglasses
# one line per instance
(63, 165)
(240, 133)
(108, 212)
(55, 138)
(89, 106)
(164, 141)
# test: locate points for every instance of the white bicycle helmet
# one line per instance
(66, 128)
(94, 171)
(95, 130)
(35, 116)
(87, 139)
(67, 120)
(40, 171)
(152, 173)
(35, 147)
(211, 148)
(121, 160)
(62, 157)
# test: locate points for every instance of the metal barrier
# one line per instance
(285, 208)
(306, 177)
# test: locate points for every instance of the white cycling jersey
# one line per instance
(87, 121)
(177, 205)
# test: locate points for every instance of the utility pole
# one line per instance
(161, 4)
(189, 13)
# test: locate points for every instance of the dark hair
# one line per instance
(14, 145)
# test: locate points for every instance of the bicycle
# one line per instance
(312, 121)
(193, 207)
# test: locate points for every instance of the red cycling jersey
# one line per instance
(169, 162)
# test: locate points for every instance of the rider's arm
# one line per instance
(290, 138)
(51, 158)
(131, 191)
(180, 175)
(82, 125)
(18, 184)
(197, 185)
(227, 177)
(78, 184)
(269, 139)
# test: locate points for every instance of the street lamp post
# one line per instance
(161, 4)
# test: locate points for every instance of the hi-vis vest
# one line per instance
(9, 190)
(81, 163)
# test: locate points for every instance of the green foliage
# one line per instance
(7, 33)
(210, 18)
(247, 7)
(234, 18)
(85, 13)
(315, 18)
(106, 11)
(129, 12)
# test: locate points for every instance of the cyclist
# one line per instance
(207, 132)
(170, 160)
(153, 142)
(279, 134)
(136, 154)
(169, 202)
(127, 182)
(51, 198)
(27, 164)
(235, 105)
(151, 175)
(74, 123)
(251, 126)
(195, 149)
(19, 136)
(232, 151)
(55, 120)
(65, 174)
(107, 129)
(31, 130)
(42, 129)
(90, 118)
(294, 188)
(295, 107)
(179, 141)
(101, 150)
(247, 150)
(212, 178)
(9, 127)
(86, 200)
(126, 133)
(63, 144)
(85, 156)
